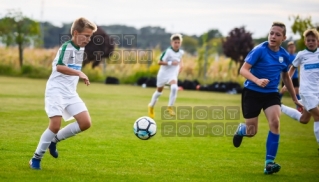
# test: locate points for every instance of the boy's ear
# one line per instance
(284, 38)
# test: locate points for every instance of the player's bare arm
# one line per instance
(245, 72)
(160, 62)
(288, 83)
(68, 71)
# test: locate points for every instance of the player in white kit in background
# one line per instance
(61, 98)
(171, 65)
(308, 60)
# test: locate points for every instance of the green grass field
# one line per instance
(109, 151)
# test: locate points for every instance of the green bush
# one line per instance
(8, 70)
(95, 75)
(35, 72)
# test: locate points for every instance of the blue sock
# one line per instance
(271, 146)
(242, 130)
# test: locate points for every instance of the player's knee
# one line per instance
(85, 124)
(54, 129)
(174, 87)
(160, 89)
(316, 117)
(274, 123)
(304, 121)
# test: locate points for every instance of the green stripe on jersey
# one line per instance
(60, 61)
(163, 55)
(75, 46)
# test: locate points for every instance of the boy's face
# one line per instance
(83, 38)
(311, 42)
(176, 44)
(291, 49)
(276, 36)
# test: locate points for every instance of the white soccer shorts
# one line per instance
(161, 81)
(67, 108)
(310, 100)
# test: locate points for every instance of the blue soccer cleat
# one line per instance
(35, 163)
(53, 151)
(271, 167)
(238, 137)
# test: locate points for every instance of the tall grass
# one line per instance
(37, 64)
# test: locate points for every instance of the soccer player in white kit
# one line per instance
(61, 98)
(171, 65)
(308, 60)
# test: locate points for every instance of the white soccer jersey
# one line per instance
(63, 85)
(309, 70)
(167, 56)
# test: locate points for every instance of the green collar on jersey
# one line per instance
(311, 50)
(173, 49)
(75, 46)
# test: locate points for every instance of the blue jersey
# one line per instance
(267, 64)
(291, 59)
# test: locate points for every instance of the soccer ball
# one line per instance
(144, 128)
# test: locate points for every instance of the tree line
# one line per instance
(19, 30)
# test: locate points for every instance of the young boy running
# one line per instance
(262, 69)
(171, 65)
(308, 60)
(61, 98)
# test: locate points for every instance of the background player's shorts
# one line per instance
(252, 102)
(295, 82)
(65, 107)
(309, 100)
(161, 81)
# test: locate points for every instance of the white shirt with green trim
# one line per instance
(309, 70)
(71, 56)
(170, 55)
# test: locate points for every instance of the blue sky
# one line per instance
(190, 17)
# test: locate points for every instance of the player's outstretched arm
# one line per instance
(288, 83)
(160, 62)
(291, 71)
(245, 72)
(68, 71)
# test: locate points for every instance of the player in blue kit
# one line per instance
(262, 69)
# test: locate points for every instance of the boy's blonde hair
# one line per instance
(313, 32)
(280, 24)
(81, 23)
(177, 36)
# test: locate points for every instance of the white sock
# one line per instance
(155, 97)
(316, 130)
(173, 94)
(293, 113)
(67, 132)
(44, 143)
